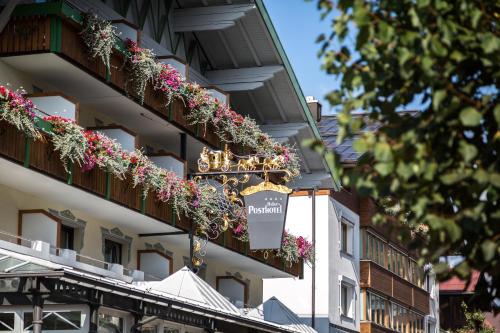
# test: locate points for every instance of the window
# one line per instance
(56, 321)
(112, 252)
(67, 237)
(346, 299)
(110, 323)
(344, 304)
(154, 264)
(389, 257)
(391, 315)
(7, 322)
(346, 236)
(233, 289)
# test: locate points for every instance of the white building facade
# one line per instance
(329, 292)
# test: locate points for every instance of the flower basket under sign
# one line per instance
(265, 205)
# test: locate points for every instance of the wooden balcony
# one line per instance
(55, 27)
(383, 281)
(40, 156)
(367, 327)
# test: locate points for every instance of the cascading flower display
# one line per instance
(99, 36)
(202, 108)
(105, 153)
(18, 111)
(169, 81)
(68, 139)
(293, 248)
(141, 67)
(199, 201)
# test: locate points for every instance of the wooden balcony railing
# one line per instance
(377, 278)
(40, 156)
(55, 27)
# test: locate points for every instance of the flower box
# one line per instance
(126, 30)
(55, 104)
(44, 158)
(93, 181)
(170, 162)
(123, 192)
(158, 209)
(11, 142)
(125, 137)
(180, 65)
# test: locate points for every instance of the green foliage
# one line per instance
(441, 162)
(474, 322)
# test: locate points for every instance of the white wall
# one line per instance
(433, 317)
(38, 226)
(169, 163)
(55, 106)
(12, 200)
(126, 140)
(155, 264)
(330, 264)
(343, 266)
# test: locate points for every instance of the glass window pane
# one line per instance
(344, 237)
(112, 252)
(7, 322)
(110, 324)
(69, 320)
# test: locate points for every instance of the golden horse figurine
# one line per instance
(248, 164)
(272, 163)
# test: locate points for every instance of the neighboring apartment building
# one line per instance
(396, 294)
(78, 251)
(329, 293)
(328, 297)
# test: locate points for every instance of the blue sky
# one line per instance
(298, 24)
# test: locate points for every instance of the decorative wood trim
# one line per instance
(304, 193)
(227, 277)
(164, 255)
(57, 220)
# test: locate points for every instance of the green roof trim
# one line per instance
(295, 83)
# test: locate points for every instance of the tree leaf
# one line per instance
(490, 43)
(468, 151)
(437, 98)
(470, 116)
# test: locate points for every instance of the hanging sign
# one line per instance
(265, 206)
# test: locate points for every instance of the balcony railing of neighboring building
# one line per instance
(391, 258)
(386, 315)
(55, 28)
(40, 155)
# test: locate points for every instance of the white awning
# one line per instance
(187, 285)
